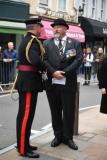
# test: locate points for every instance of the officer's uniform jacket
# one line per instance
(30, 54)
(69, 63)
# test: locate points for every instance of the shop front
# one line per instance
(95, 32)
(12, 26)
(74, 31)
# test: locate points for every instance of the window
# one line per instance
(44, 2)
(93, 2)
(102, 9)
(93, 8)
(62, 5)
(84, 6)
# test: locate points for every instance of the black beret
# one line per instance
(34, 21)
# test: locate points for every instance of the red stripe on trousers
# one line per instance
(24, 123)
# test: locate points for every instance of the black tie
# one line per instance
(60, 46)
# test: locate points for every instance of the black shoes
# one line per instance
(31, 154)
(33, 148)
(85, 83)
(56, 142)
(71, 144)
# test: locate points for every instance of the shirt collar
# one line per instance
(63, 39)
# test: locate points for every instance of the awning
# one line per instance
(93, 28)
(12, 27)
(74, 31)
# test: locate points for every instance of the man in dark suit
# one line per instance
(28, 84)
(62, 58)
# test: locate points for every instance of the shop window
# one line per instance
(62, 5)
(93, 8)
(84, 6)
(102, 9)
(44, 3)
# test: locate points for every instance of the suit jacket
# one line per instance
(69, 63)
(29, 80)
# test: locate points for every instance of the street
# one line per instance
(89, 96)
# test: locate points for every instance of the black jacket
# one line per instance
(103, 75)
(103, 84)
(69, 64)
(29, 80)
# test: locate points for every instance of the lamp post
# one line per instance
(80, 10)
(80, 13)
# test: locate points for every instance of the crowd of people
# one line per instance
(91, 64)
(8, 58)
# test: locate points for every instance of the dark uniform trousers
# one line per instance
(61, 99)
(27, 106)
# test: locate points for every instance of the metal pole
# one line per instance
(77, 110)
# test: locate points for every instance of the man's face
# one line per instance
(10, 46)
(37, 30)
(59, 31)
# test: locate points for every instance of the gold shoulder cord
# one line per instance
(41, 47)
(27, 49)
(29, 45)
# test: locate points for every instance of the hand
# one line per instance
(103, 90)
(58, 74)
(97, 60)
(7, 60)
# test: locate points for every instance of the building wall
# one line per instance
(69, 15)
(88, 9)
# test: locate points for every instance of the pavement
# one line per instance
(91, 140)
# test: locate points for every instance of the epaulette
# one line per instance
(33, 36)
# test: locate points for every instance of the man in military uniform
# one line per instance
(63, 56)
(28, 84)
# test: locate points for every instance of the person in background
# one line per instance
(88, 60)
(98, 60)
(62, 59)
(10, 56)
(81, 69)
(1, 53)
(94, 72)
(10, 52)
(103, 85)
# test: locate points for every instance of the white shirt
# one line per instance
(89, 60)
(64, 40)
